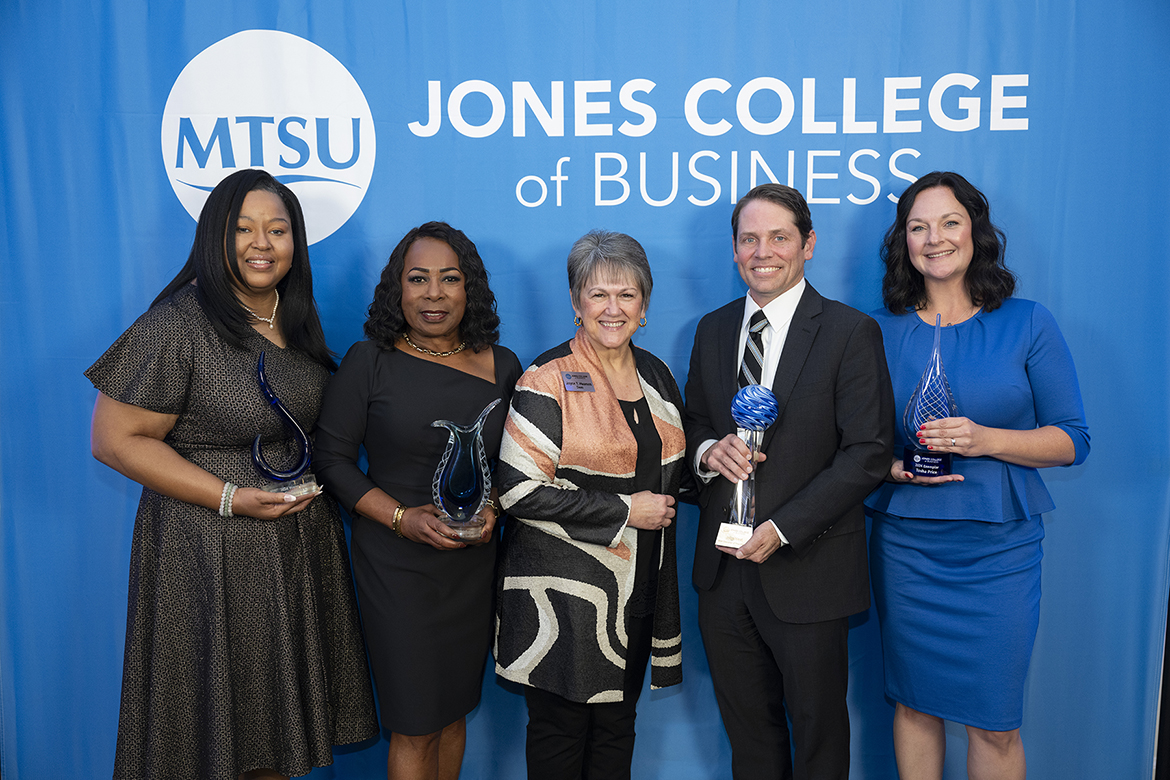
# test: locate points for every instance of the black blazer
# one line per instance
(832, 443)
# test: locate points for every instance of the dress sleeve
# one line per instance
(1053, 377)
(150, 365)
(529, 487)
(510, 371)
(341, 427)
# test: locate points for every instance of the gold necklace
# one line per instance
(462, 346)
(971, 312)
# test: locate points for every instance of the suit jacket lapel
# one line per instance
(727, 370)
(801, 333)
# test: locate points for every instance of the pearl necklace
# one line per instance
(272, 319)
(462, 346)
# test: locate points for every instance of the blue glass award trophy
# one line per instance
(932, 400)
(462, 481)
(297, 480)
(754, 408)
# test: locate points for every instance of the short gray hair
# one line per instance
(606, 252)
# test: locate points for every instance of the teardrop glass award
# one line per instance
(932, 400)
(462, 480)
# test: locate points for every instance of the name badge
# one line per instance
(577, 381)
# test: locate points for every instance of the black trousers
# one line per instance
(569, 740)
(760, 666)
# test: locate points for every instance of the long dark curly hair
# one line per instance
(480, 326)
(215, 272)
(989, 282)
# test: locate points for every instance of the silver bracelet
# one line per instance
(225, 499)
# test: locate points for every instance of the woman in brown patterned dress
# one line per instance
(243, 647)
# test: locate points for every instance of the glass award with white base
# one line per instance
(754, 409)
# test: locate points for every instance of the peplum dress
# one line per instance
(427, 613)
(243, 644)
(956, 567)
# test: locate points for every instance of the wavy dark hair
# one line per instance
(989, 282)
(208, 266)
(480, 326)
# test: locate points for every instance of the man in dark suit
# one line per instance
(774, 613)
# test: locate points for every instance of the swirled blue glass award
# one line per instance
(932, 400)
(297, 480)
(754, 408)
(462, 481)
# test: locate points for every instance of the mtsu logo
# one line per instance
(268, 99)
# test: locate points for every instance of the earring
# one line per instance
(642, 323)
(577, 321)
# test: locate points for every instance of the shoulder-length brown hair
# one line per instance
(989, 282)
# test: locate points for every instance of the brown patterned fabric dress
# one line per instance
(243, 644)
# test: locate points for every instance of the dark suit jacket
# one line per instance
(831, 444)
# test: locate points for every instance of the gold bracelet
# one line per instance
(492, 504)
(396, 525)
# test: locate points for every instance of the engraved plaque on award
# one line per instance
(932, 400)
(754, 408)
(462, 481)
(298, 480)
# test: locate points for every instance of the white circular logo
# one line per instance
(269, 99)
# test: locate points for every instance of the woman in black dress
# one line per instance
(426, 596)
(243, 646)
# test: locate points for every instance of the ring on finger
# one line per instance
(952, 442)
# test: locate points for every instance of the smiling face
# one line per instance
(938, 236)
(610, 307)
(264, 244)
(769, 251)
(433, 293)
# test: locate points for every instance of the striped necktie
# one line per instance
(751, 370)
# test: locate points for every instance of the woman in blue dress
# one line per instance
(956, 558)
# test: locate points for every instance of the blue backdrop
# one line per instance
(525, 123)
